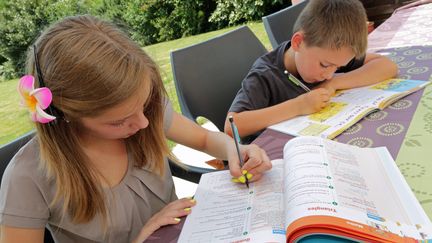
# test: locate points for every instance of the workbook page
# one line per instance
(346, 108)
(230, 212)
(323, 177)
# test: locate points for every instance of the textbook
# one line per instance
(321, 188)
(348, 107)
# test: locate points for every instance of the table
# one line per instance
(405, 127)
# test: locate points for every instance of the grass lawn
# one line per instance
(15, 120)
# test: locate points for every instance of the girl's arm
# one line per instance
(219, 145)
(12, 235)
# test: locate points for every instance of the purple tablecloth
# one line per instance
(406, 37)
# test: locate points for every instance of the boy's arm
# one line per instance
(252, 121)
(376, 68)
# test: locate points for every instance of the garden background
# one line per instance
(159, 26)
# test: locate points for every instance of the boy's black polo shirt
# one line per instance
(266, 84)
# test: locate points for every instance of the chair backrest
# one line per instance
(9, 150)
(208, 75)
(279, 26)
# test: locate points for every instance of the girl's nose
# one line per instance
(141, 121)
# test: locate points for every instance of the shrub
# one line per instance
(233, 12)
(155, 21)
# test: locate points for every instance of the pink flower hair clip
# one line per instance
(36, 100)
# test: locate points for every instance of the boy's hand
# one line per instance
(170, 214)
(314, 100)
(328, 86)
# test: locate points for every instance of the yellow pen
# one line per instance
(237, 140)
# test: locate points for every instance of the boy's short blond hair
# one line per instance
(334, 24)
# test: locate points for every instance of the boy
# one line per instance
(329, 36)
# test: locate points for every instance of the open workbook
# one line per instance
(321, 188)
(348, 107)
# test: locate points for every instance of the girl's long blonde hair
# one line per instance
(90, 66)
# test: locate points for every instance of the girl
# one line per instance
(96, 170)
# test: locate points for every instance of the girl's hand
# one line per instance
(313, 101)
(170, 214)
(256, 162)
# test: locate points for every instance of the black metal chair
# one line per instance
(279, 26)
(9, 150)
(6, 153)
(208, 75)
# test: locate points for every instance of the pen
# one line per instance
(297, 82)
(237, 140)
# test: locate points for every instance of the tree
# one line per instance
(22, 21)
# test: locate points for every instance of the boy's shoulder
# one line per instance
(272, 61)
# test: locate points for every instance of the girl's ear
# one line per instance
(296, 40)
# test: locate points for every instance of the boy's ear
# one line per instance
(296, 40)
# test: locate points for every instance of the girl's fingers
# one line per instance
(172, 220)
(262, 167)
(176, 209)
(234, 168)
(257, 162)
(255, 157)
(182, 212)
(172, 213)
(181, 203)
(255, 177)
